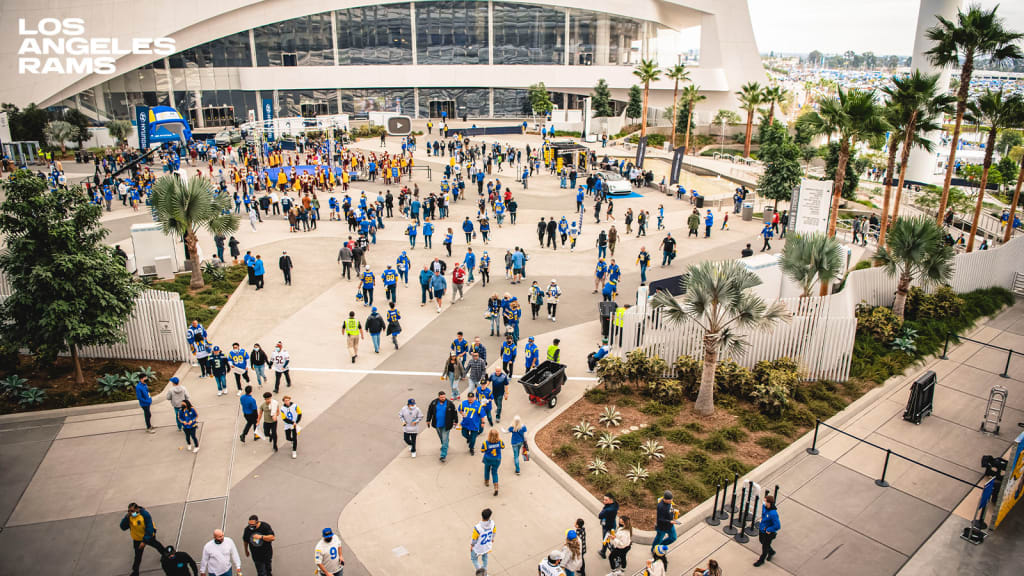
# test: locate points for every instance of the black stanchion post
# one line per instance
(731, 528)
(813, 450)
(741, 535)
(881, 481)
(713, 520)
(945, 348)
(775, 496)
(1006, 370)
(722, 514)
(752, 529)
(732, 503)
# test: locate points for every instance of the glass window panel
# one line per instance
(359, 103)
(527, 34)
(380, 34)
(303, 41)
(582, 37)
(451, 32)
(511, 102)
(467, 101)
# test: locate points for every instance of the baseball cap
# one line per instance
(374, 309)
(327, 532)
(570, 535)
(530, 338)
(661, 550)
(173, 380)
(411, 402)
(216, 348)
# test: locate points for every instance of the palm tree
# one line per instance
(750, 97)
(720, 301)
(1017, 154)
(809, 259)
(916, 251)
(977, 33)
(992, 110)
(59, 131)
(914, 109)
(119, 130)
(774, 95)
(854, 116)
(679, 73)
(185, 207)
(691, 95)
(647, 71)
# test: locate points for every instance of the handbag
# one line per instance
(526, 451)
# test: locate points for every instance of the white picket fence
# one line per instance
(821, 333)
(155, 330)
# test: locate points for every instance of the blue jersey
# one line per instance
(393, 316)
(508, 351)
(428, 229)
(389, 276)
(485, 262)
(368, 279)
(403, 263)
(601, 269)
(532, 354)
(471, 411)
(238, 358)
(614, 272)
(411, 230)
(460, 346)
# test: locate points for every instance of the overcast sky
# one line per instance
(831, 26)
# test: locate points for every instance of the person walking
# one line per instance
(767, 234)
(410, 416)
(257, 271)
(668, 250)
(285, 264)
(658, 564)
(218, 364)
(141, 528)
(375, 326)
(491, 449)
(643, 260)
(258, 541)
(218, 556)
(442, 416)
(453, 372)
(572, 554)
(291, 415)
(251, 413)
(175, 563)
(531, 355)
(476, 368)
(693, 223)
(281, 360)
(187, 419)
(665, 524)
(551, 565)
(425, 277)
(619, 543)
(353, 330)
(394, 328)
(768, 529)
(327, 555)
(345, 257)
(390, 279)
(483, 540)
(437, 288)
(471, 420)
(518, 432)
(508, 359)
(176, 394)
(239, 360)
(269, 412)
(554, 352)
(368, 281)
(607, 517)
(553, 293)
(458, 280)
(145, 401)
(259, 360)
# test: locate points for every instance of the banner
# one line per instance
(677, 164)
(586, 119)
(641, 151)
(811, 206)
(5, 131)
(142, 126)
(268, 117)
(1013, 482)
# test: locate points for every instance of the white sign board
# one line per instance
(5, 130)
(813, 205)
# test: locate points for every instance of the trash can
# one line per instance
(699, 201)
(769, 214)
(605, 312)
(748, 211)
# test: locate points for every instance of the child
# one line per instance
(581, 533)
(725, 220)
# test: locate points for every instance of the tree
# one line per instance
(59, 132)
(772, 96)
(915, 252)
(81, 123)
(1010, 139)
(119, 130)
(678, 73)
(814, 58)
(601, 100)
(977, 33)
(27, 124)
(69, 289)
(996, 112)
(781, 158)
(540, 100)
(810, 259)
(851, 178)
(750, 96)
(691, 95)
(915, 107)
(724, 116)
(719, 300)
(183, 208)
(635, 106)
(1016, 154)
(647, 71)
(853, 115)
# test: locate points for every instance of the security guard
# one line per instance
(554, 353)
(368, 282)
(620, 313)
(353, 334)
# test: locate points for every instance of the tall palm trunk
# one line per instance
(904, 158)
(705, 405)
(890, 173)
(689, 116)
(750, 131)
(899, 304)
(76, 362)
(771, 113)
(193, 252)
(1013, 206)
(643, 113)
(961, 107)
(837, 189)
(675, 112)
(989, 149)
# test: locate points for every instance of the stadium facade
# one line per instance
(313, 57)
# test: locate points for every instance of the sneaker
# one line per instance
(151, 430)
(295, 454)
(239, 393)
(255, 436)
(413, 454)
(242, 438)
(219, 393)
(196, 450)
(443, 460)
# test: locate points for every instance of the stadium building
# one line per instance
(231, 58)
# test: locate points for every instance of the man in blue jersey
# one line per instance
(239, 359)
(508, 354)
(368, 281)
(471, 420)
(532, 354)
(390, 279)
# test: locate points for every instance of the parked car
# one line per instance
(617, 185)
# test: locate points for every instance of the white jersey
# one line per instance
(280, 359)
(289, 415)
(483, 537)
(329, 554)
(549, 570)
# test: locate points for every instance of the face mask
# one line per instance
(134, 514)
(256, 348)
(218, 541)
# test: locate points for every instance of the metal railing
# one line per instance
(813, 450)
(1009, 352)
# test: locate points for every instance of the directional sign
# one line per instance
(399, 125)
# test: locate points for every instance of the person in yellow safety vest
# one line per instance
(620, 313)
(353, 334)
(554, 353)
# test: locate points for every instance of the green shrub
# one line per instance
(575, 467)
(771, 399)
(668, 392)
(821, 409)
(753, 421)
(734, 434)
(642, 369)
(694, 426)
(653, 140)
(733, 380)
(680, 436)
(613, 372)
(772, 443)
(654, 408)
(862, 265)
(565, 451)
(628, 402)
(716, 442)
(596, 395)
(943, 304)
(784, 427)
(719, 472)
(798, 416)
(878, 321)
(666, 421)
(630, 441)
(602, 483)
(650, 432)
(698, 458)
(688, 371)
(631, 493)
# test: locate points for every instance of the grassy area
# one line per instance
(204, 304)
